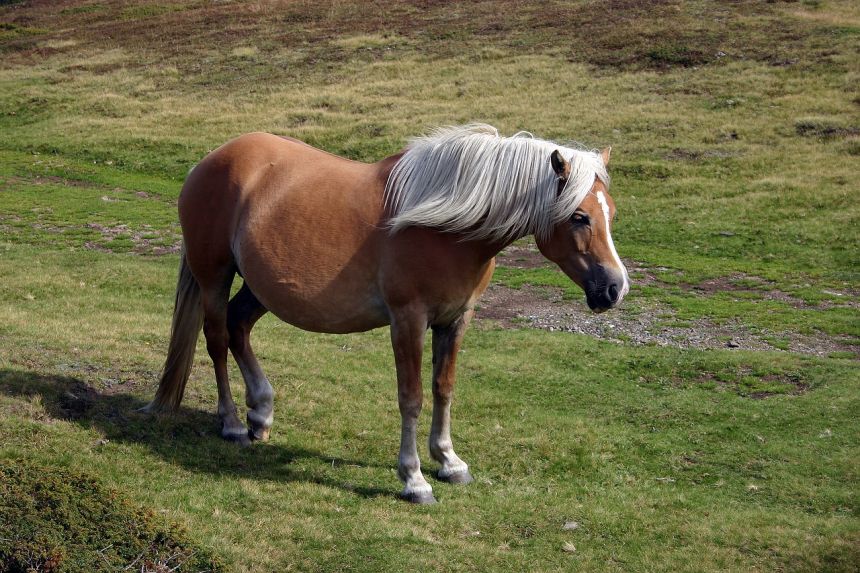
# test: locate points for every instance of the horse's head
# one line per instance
(582, 245)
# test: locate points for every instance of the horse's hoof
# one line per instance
(458, 478)
(258, 426)
(261, 434)
(237, 437)
(419, 497)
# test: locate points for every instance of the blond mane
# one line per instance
(469, 179)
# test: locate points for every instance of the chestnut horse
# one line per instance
(332, 245)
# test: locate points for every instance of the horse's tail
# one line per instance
(187, 322)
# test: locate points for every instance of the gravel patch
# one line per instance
(648, 323)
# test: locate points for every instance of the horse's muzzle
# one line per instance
(605, 289)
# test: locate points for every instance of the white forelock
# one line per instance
(471, 180)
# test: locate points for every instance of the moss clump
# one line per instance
(57, 520)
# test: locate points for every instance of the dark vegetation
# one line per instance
(59, 520)
(616, 34)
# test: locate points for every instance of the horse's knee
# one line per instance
(410, 407)
(442, 396)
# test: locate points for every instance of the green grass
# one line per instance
(735, 134)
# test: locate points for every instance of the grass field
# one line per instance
(736, 153)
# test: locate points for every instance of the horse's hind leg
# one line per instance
(243, 311)
(215, 296)
(446, 345)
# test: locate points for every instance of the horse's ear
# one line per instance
(559, 165)
(605, 155)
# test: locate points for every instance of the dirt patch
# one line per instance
(780, 384)
(77, 401)
(764, 289)
(823, 129)
(642, 275)
(148, 241)
(647, 323)
(522, 257)
(679, 154)
(730, 284)
(794, 385)
(116, 192)
(54, 180)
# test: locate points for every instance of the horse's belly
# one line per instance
(334, 317)
(313, 301)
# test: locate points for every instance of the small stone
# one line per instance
(568, 547)
(733, 344)
(752, 488)
(570, 525)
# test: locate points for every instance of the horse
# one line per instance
(332, 245)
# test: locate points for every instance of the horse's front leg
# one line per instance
(407, 339)
(446, 345)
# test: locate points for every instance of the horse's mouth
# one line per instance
(597, 308)
(598, 303)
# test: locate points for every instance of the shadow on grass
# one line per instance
(184, 438)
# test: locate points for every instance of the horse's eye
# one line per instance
(580, 219)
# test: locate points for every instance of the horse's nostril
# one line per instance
(613, 292)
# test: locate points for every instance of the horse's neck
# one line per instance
(481, 251)
(484, 251)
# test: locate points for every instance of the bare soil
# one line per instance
(145, 242)
(646, 323)
(521, 257)
(765, 289)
